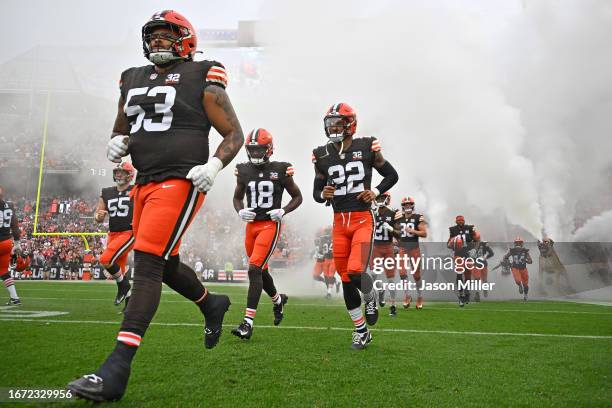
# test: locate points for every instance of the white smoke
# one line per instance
(424, 81)
(560, 77)
(597, 229)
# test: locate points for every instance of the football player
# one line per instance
(343, 177)
(459, 241)
(165, 113)
(480, 251)
(9, 239)
(115, 201)
(263, 182)
(329, 268)
(408, 228)
(383, 245)
(319, 256)
(519, 257)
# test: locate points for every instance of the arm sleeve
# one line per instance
(317, 189)
(390, 177)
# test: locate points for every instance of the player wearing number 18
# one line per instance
(165, 113)
(343, 177)
(263, 182)
(115, 201)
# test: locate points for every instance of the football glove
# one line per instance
(247, 214)
(203, 176)
(116, 148)
(276, 215)
(387, 227)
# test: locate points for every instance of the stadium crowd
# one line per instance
(215, 239)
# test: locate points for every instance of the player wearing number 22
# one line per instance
(164, 116)
(263, 182)
(343, 176)
(115, 201)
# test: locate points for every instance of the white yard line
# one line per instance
(340, 305)
(320, 328)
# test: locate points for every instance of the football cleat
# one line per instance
(477, 297)
(381, 298)
(244, 330)
(392, 311)
(361, 341)
(279, 309)
(13, 302)
(461, 301)
(91, 387)
(371, 313)
(407, 301)
(419, 303)
(214, 312)
(123, 290)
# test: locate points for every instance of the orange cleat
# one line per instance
(419, 303)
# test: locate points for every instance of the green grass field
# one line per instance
(490, 353)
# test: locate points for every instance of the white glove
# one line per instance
(203, 176)
(387, 227)
(398, 214)
(472, 253)
(117, 148)
(247, 214)
(276, 215)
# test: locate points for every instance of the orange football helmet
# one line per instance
(259, 146)
(340, 121)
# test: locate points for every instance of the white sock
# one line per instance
(118, 277)
(12, 292)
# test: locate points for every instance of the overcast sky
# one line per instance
(108, 22)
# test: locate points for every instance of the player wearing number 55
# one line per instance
(263, 182)
(165, 112)
(115, 201)
(343, 177)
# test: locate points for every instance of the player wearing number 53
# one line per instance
(165, 113)
(343, 177)
(263, 182)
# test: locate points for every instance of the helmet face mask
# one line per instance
(257, 153)
(337, 128)
(123, 174)
(121, 177)
(408, 207)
